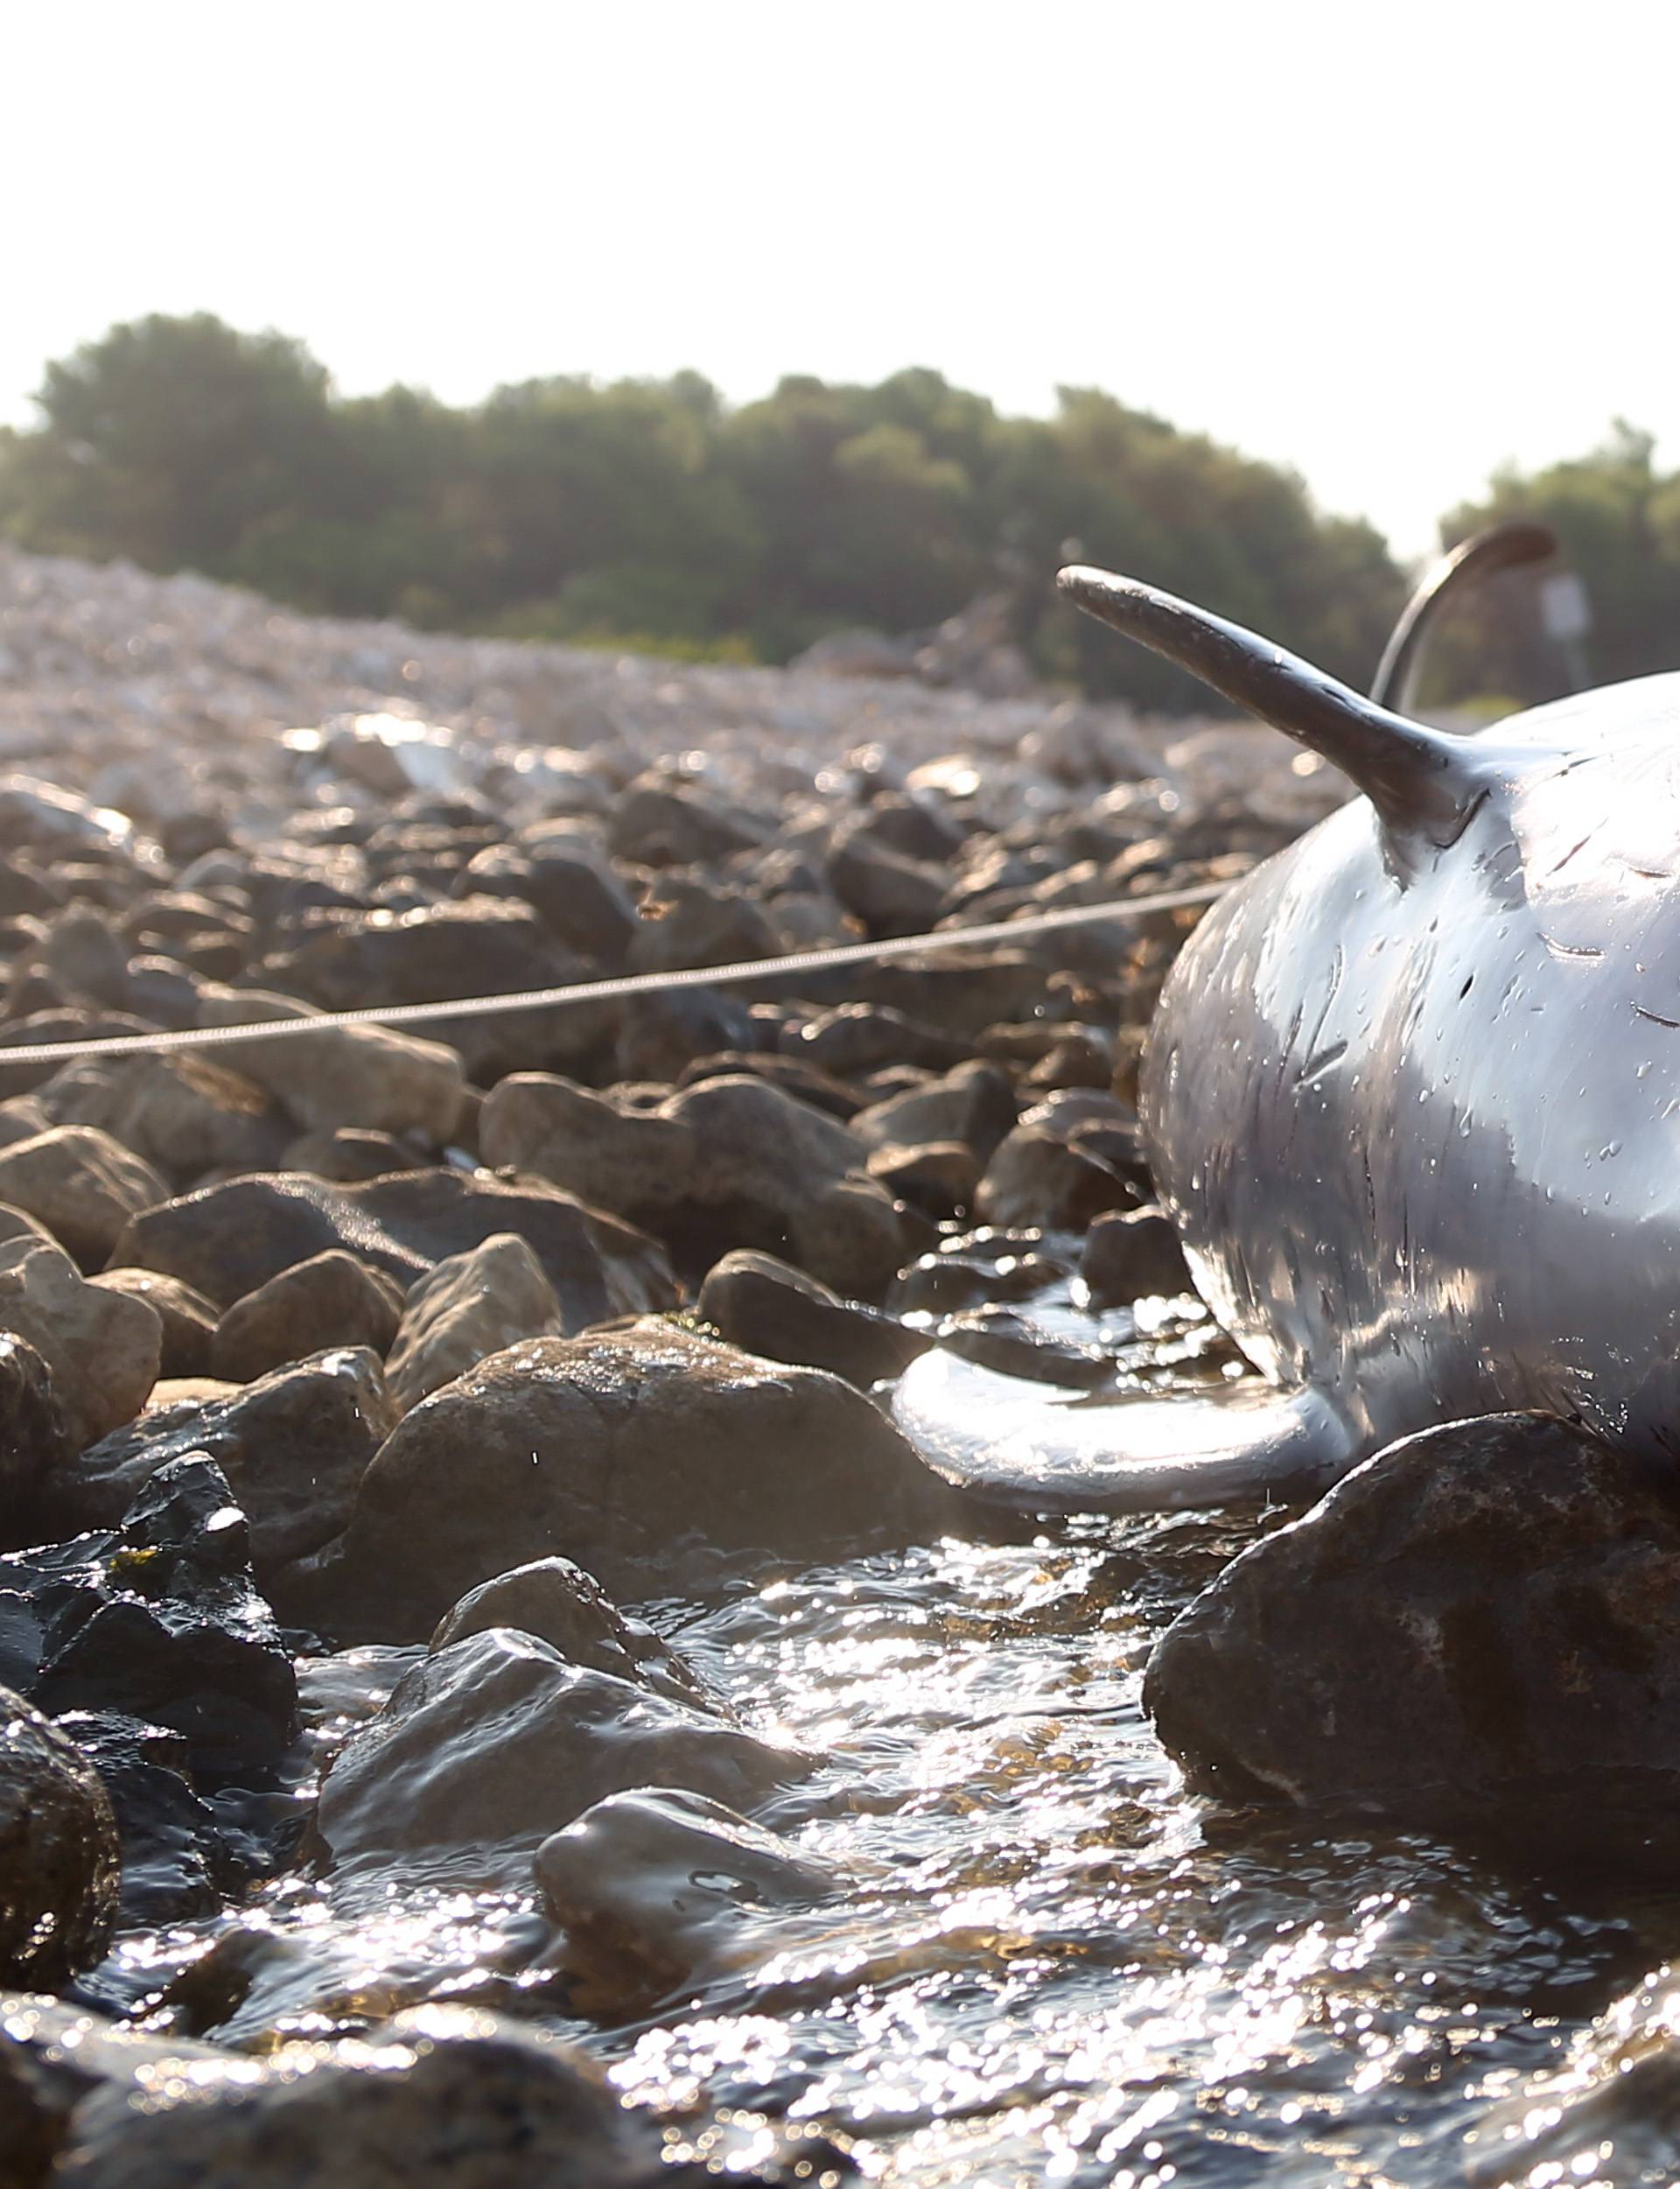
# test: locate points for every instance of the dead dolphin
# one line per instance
(1411, 1097)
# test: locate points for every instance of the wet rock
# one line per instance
(766, 1308)
(730, 1162)
(470, 1305)
(82, 1184)
(1002, 1338)
(622, 1449)
(334, 1300)
(59, 1862)
(496, 1741)
(1476, 1632)
(988, 1266)
(1036, 1177)
(567, 1607)
(371, 1078)
(174, 1864)
(51, 2057)
(33, 1439)
(182, 1114)
(102, 1348)
(157, 1619)
(227, 1241)
(187, 1318)
(444, 2094)
(1131, 1253)
(293, 1446)
(660, 1891)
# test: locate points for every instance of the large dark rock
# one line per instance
(293, 1446)
(157, 1619)
(176, 1865)
(59, 1860)
(624, 1450)
(227, 1241)
(1477, 1631)
(497, 1740)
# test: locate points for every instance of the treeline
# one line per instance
(650, 514)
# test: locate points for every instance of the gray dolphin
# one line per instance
(1411, 1097)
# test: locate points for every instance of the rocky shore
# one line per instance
(381, 1415)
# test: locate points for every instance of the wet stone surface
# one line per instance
(549, 1720)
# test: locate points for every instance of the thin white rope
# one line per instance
(618, 985)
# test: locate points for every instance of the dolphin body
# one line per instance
(1411, 1097)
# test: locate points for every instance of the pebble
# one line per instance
(60, 1864)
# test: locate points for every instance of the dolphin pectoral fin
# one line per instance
(1038, 1448)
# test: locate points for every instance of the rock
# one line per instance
(157, 1619)
(563, 1606)
(188, 1319)
(1037, 1178)
(1002, 1338)
(622, 1449)
(470, 1305)
(443, 2095)
(938, 1176)
(59, 1860)
(857, 1038)
(1131, 1253)
(973, 1103)
(683, 922)
(181, 1112)
(102, 1348)
(33, 1439)
(41, 816)
(51, 2057)
(496, 1741)
(661, 1891)
(763, 1306)
(334, 1300)
(980, 1267)
(82, 1185)
(373, 1078)
(891, 892)
(658, 823)
(228, 1240)
(476, 946)
(574, 890)
(730, 1162)
(293, 1446)
(793, 1077)
(662, 1033)
(1476, 1632)
(174, 1865)
(348, 1156)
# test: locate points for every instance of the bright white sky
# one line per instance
(1392, 245)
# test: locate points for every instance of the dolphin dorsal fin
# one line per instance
(1423, 782)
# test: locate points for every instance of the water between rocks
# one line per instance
(1047, 1964)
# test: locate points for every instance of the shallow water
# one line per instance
(1045, 1962)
